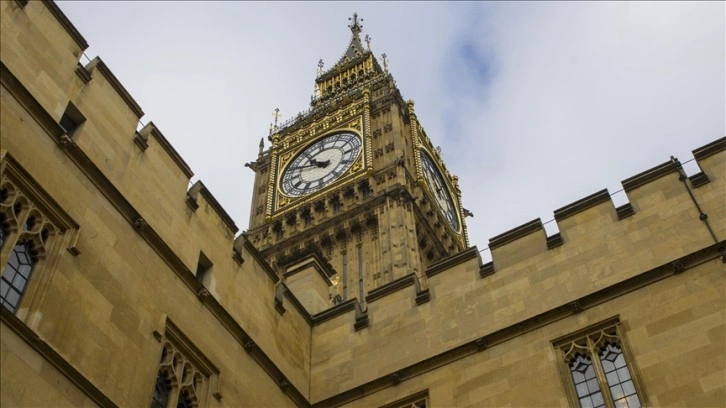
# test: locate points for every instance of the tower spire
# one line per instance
(355, 26)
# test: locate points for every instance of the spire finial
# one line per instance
(276, 115)
(262, 146)
(321, 64)
(385, 62)
(355, 25)
(368, 41)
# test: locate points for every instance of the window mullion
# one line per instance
(600, 373)
(174, 395)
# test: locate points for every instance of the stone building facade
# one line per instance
(354, 284)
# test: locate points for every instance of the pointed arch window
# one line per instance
(185, 377)
(596, 369)
(32, 230)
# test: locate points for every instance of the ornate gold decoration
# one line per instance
(283, 201)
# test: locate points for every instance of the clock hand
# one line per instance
(303, 167)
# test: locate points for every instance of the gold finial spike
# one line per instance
(385, 62)
(368, 41)
(276, 115)
(355, 25)
(320, 67)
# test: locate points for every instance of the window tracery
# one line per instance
(184, 377)
(597, 371)
(32, 230)
(178, 382)
(418, 400)
(24, 240)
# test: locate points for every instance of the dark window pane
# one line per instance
(161, 392)
(68, 124)
(184, 401)
(15, 275)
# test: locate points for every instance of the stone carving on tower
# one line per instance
(355, 182)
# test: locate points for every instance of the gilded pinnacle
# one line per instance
(355, 25)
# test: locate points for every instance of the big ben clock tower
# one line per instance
(355, 182)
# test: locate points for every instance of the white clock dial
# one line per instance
(320, 164)
(439, 190)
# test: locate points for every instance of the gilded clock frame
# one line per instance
(421, 141)
(450, 190)
(285, 150)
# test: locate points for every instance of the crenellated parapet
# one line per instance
(676, 224)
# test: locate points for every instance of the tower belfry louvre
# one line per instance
(123, 286)
(356, 180)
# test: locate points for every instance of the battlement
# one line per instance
(598, 254)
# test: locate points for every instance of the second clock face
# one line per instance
(438, 189)
(320, 164)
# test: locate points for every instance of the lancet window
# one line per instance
(25, 233)
(184, 377)
(596, 369)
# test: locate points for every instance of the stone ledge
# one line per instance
(582, 205)
(515, 233)
(710, 149)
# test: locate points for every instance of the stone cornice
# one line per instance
(204, 191)
(515, 233)
(66, 23)
(453, 260)
(582, 205)
(390, 287)
(116, 84)
(712, 148)
(647, 176)
(151, 128)
(334, 311)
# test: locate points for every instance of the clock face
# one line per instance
(439, 190)
(320, 164)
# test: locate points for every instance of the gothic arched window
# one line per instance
(185, 378)
(598, 371)
(32, 230)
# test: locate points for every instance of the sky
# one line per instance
(534, 104)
